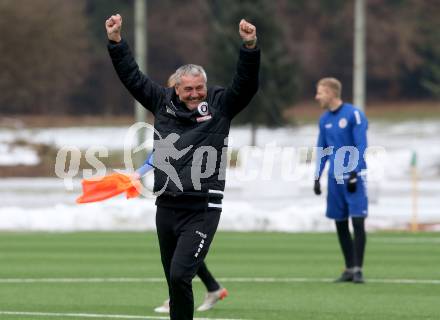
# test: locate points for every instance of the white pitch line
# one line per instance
(77, 315)
(404, 240)
(405, 281)
(94, 315)
(302, 280)
(237, 280)
(80, 280)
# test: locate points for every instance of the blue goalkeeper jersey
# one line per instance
(341, 133)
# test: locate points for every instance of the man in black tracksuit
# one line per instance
(191, 126)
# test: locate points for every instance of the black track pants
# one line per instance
(184, 240)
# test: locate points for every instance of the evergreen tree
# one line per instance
(278, 71)
(429, 48)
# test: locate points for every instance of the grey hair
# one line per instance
(188, 69)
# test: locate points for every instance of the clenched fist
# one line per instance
(113, 26)
(248, 33)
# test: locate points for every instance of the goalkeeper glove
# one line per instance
(351, 182)
(317, 188)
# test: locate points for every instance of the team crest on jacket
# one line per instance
(342, 123)
(203, 108)
(203, 111)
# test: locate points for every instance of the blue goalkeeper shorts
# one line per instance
(342, 204)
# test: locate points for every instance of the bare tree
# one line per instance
(43, 54)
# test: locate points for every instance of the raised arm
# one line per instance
(245, 82)
(143, 89)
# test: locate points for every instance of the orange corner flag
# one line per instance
(98, 189)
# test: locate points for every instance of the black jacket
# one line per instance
(201, 170)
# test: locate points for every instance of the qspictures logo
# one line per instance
(289, 161)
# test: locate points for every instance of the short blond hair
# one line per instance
(333, 84)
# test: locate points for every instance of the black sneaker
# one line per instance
(346, 276)
(358, 277)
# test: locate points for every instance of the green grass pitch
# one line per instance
(119, 273)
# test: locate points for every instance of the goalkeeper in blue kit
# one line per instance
(342, 142)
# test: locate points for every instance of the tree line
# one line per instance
(54, 59)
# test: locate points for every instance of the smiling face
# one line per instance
(191, 90)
